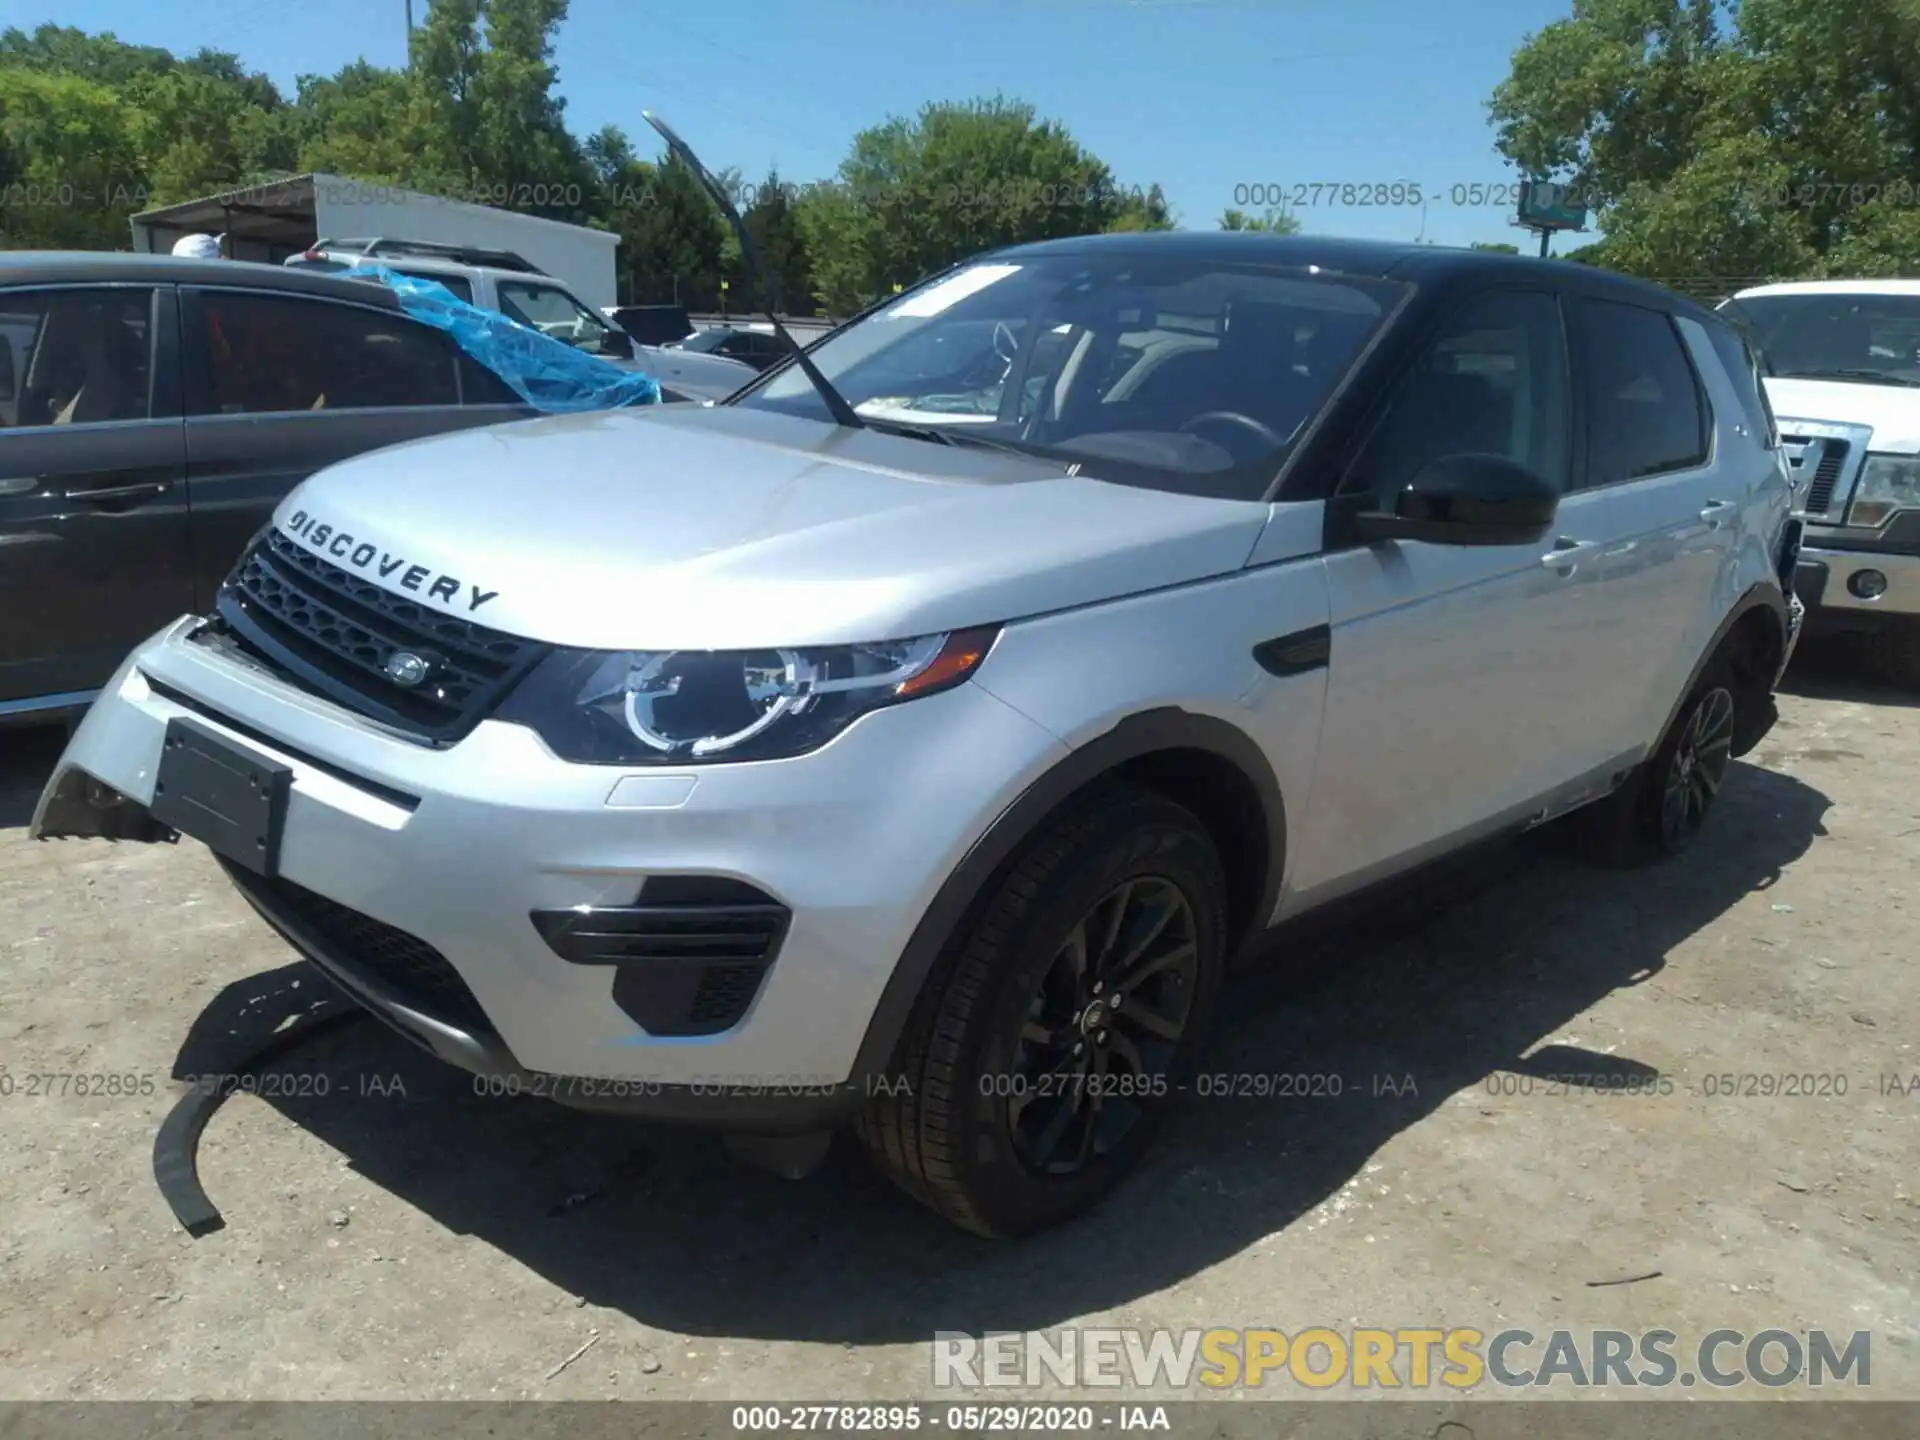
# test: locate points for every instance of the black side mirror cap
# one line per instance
(1467, 500)
(617, 344)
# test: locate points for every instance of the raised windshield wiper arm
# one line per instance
(836, 403)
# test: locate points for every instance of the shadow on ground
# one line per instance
(27, 758)
(1454, 980)
(1836, 667)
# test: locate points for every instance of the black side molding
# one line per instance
(1296, 654)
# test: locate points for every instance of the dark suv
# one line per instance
(154, 410)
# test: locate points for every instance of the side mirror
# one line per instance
(1466, 500)
(617, 344)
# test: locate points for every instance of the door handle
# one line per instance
(1566, 554)
(1714, 511)
(20, 484)
(117, 492)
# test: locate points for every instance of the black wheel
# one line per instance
(1038, 1067)
(1664, 805)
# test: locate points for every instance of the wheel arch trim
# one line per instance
(1137, 736)
(1759, 596)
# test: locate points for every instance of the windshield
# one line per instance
(1859, 337)
(1186, 375)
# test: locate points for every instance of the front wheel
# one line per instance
(1037, 1069)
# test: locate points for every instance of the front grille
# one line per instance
(335, 631)
(689, 957)
(1820, 493)
(413, 970)
(1829, 461)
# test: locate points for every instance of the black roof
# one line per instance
(1377, 259)
(97, 267)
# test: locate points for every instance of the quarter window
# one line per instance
(1645, 412)
(1493, 382)
(1737, 358)
(262, 354)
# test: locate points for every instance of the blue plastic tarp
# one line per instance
(548, 374)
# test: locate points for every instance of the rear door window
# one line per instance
(253, 354)
(1646, 415)
(76, 357)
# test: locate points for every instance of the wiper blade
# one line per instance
(963, 437)
(836, 403)
(1873, 377)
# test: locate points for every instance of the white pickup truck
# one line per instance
(1841, 363)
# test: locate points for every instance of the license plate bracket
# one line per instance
(232, 800)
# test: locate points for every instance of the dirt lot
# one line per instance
(403, 1237)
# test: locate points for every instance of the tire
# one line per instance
(1893, 656)
(1662, 807)
(976, 1131)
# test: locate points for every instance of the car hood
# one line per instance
(714, 528)
(1892, 411)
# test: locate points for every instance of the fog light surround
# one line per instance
(1867, 584)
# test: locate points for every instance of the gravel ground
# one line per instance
(400, 1236)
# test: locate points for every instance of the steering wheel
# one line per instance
(1233, 417)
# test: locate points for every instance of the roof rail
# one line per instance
(463, 254)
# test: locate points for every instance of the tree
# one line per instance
(772, 219)
(1143, 210)
(1777, 138)
(915, 195)
(485, 116)
(71, 143)
(359, 122)
(1497, 247)
(1273, 222)
(673, 241)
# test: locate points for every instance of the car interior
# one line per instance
(1194, 390)
(86, 361)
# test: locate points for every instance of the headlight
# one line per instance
(681, 707)
(1888, 483)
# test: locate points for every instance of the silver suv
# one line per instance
(789, 764)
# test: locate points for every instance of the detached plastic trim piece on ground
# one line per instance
(176, 1148)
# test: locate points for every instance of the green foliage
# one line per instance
(71, 144)
(1272, 222)
(107, 129)
(915, 196)
(1772, 138)
(1497, 247)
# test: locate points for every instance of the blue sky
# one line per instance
(1204, 96)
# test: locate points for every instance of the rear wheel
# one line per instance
(1664, 804)
(1038, 1068)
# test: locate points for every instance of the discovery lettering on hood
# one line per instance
(363, 555)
